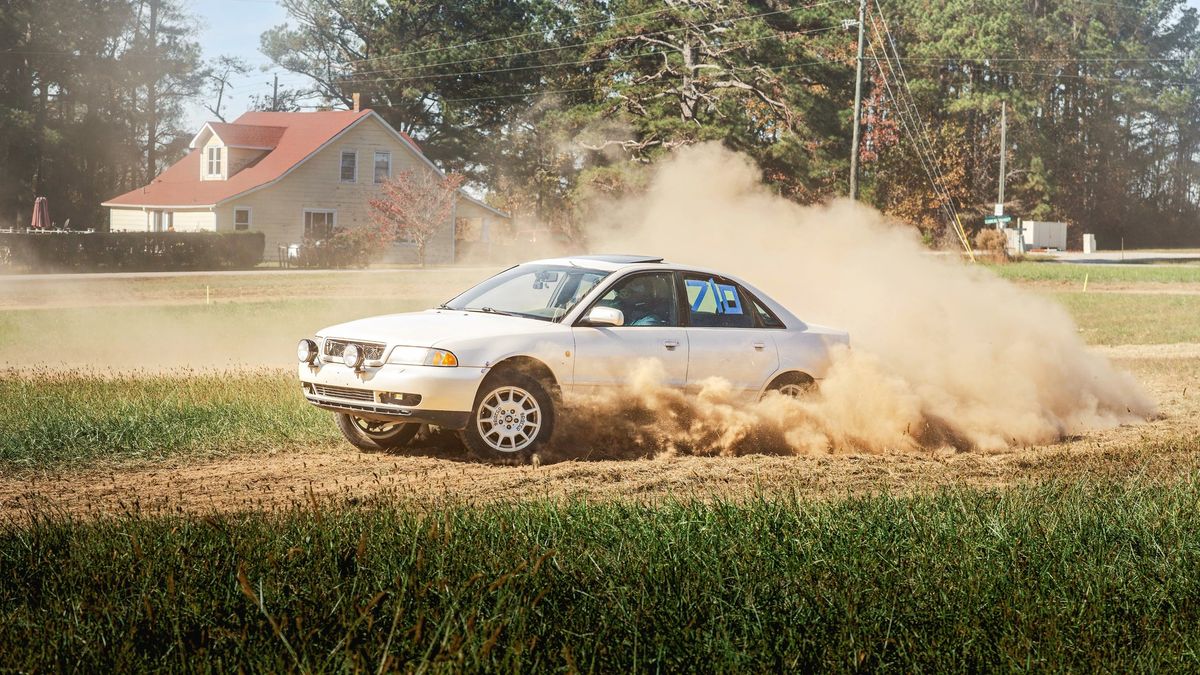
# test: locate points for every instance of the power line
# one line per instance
(915, 128)
(356, 79)
(543, 50)
(1099, 78)
(510, 38)
(502, 39)
(548, 92)
(1046, 59)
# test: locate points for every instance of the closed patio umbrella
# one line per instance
(41, 214)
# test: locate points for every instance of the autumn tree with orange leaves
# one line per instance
(413, 205)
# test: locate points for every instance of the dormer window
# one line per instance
(214, 162)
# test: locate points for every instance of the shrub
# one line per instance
(130, 251)
(993, 244)
(347, 247)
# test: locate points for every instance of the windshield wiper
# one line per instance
(490, 310)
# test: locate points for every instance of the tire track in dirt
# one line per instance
(1162, 448)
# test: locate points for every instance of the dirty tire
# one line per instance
(795, 385)
(361, 435)
(513, 418)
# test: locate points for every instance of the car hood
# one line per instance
(432, 327)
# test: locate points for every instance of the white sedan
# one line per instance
(499, 360)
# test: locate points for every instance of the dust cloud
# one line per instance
(944, 354)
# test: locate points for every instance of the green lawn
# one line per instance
(1134, 318)
(200, 336)
(1067, 273)
(1079, 577)
(54, 420)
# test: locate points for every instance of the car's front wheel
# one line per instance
(374, 436)
(513, 418)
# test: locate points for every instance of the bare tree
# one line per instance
(220, 73)
(414, 205)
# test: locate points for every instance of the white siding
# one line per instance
(137, 220)
(195, 221)
(128, 220)
(239, 158)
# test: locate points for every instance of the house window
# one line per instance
(383, 166)
(241, 219)
(349, 166)
(318, 224)
(214, 161)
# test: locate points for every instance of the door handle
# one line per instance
(759, 346)
(671, 344)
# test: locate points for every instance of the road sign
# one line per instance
(992, 220)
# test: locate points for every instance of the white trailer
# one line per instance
(1044, 235)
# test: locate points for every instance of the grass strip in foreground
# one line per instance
(53, 419)
(1060, 577)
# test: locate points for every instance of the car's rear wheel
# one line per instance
(512, 419)
(373, 436)
(794, 385)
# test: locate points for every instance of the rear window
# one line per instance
(766, 318)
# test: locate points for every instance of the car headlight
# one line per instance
(306, 351)
(441, 357)
(422, 356)
(353, 356)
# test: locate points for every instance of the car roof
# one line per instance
(607, 263)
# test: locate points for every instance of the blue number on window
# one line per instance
(725, 296)
(730, 304)
(703, 288)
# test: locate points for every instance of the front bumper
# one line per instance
(446, 394)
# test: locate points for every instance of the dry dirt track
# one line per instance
(1157, 449)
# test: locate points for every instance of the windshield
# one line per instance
(545, 292)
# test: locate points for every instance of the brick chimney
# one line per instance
(357, 101)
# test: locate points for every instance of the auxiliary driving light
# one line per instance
(353, 356)
(306, 351)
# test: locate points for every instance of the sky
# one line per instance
(233, 27)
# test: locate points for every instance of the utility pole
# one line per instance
(1003, 154)
(858, 81)
(275, 95)
(151, 74)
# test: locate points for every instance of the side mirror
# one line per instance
(605, 316)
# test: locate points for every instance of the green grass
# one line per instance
(1054, 577)
(1134, 318)
(1098, 273)
(179, 335)
(51, 419)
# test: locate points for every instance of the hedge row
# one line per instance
(130, 251)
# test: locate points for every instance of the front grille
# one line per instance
(372, 351)
(344, 392)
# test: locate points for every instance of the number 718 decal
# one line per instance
(725, 296)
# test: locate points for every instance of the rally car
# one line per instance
(498, 361)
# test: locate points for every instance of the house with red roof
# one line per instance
(292, 176)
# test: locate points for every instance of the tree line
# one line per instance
(547, 103)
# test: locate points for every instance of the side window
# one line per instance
(716, 303)
(646, 299)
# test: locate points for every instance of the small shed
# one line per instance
(1044, 234)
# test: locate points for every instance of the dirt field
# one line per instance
(437, 470)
